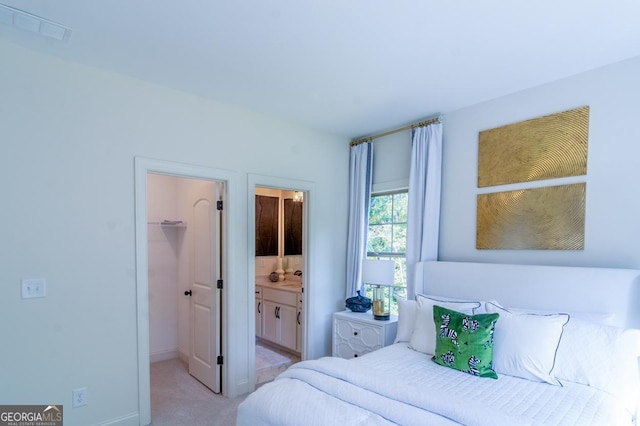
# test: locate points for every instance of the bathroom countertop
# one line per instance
(291, 283)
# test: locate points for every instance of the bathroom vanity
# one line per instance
(279, 312)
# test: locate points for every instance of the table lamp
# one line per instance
(380, 275)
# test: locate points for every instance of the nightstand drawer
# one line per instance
(353, 339)
(356, 334)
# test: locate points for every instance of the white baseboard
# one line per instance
(163, 355)
(131, 419)
(184, 357)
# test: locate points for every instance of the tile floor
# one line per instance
(270, 362)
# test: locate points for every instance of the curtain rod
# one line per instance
(390, 132)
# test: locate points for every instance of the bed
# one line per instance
(554, 346)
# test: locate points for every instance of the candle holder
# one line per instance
(279, 269)
(289, 269)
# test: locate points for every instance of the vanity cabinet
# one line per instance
(299, 324)
(279, 317)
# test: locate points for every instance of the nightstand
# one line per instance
(357, 333)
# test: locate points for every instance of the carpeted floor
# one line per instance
(178, 399)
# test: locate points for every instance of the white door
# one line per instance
(205, 296)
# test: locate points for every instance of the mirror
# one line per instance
(292, 227)
(267, 209)
(278, 221)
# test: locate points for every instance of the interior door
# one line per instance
(205, 296)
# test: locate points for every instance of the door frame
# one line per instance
(308, 228)
(143, 166)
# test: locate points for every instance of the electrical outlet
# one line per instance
(33, 287)
(79, 397)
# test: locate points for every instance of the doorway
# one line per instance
(184, 267)
(205, 302)
(279, 280)
(280, 322)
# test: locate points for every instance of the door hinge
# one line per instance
(220, 359)
(219, 204)
(220, 284)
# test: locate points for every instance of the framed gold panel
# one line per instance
(548, 218)
(547, 147)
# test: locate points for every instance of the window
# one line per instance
(387, 238)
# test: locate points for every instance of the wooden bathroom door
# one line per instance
(205, 295)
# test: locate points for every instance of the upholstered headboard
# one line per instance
(556, 288)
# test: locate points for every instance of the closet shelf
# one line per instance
(170, 224)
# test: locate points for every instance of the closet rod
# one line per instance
(437, 119)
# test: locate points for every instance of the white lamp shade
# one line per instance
(378, 271)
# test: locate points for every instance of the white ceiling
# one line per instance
(353, 67)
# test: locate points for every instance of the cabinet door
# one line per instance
(299, 324)
(259, 310)
(270, 325)
(288, 326)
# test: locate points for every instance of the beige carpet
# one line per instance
(178, 399)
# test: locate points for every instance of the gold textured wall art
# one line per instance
(546, 147)
(548, 218)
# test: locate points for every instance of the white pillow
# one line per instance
(603, 357)
(423, 338)
(525, 345)
(595, 317)
(407, 311)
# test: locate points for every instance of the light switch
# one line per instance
(33, 287)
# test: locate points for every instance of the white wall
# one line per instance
(69, 136)
(163, 268)
(612, 227)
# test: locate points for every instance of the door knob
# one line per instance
(187, 293)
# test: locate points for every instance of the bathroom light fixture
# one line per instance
(32, 23)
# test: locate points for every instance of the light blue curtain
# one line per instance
(360, 174)
(423, 216)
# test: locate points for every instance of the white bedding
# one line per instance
(597, 365)
(399, 385)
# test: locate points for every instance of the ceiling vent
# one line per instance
(35, 24)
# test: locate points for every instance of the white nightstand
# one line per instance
(357, 333)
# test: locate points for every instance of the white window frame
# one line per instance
(399, 290)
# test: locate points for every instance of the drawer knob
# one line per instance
(355, 356)
(355, 333)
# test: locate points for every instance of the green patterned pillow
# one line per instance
(465, 342)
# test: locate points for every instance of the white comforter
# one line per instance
(399, 385)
